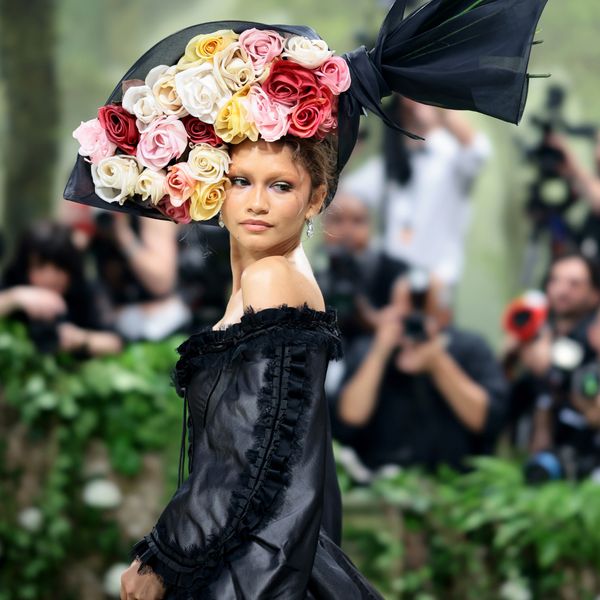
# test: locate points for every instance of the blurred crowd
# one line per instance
(413, 388)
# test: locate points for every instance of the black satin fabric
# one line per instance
(258, 516)
(456, 54)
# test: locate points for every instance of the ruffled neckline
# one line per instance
(257, 320)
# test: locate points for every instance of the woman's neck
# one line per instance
(241, 258)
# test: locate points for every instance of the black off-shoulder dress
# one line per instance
(259, 515)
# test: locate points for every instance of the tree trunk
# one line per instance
(27, 41)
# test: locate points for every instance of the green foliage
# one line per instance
(127, 401)
(481, 533)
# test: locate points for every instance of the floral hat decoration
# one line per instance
(159, 146)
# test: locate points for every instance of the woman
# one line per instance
(45, 286)
(258, 515)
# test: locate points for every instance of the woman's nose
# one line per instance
(258, 200)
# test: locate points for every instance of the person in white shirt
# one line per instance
(421, 188)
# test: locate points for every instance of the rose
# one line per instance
(330, 119)
(309, 115)
(140, 101)
(200, 132)
(207, 199)
(204, 46)
(164, 139)
(334, 73)
(233, 68)
(288, 83)
(306, 52)
(151, 184)
(179, 183)
(179, 214)
(234, 122)
(262, 46)
(161, 80)
(119, 126)
(201, 94)
(115, 177)
(94, 142)
(271, 118)
(208, 164)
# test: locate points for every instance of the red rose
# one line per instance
(200, 132)
(120, 127)
(311, 116)
(179, 214)
(289, 83)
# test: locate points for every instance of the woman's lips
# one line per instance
(256, 226)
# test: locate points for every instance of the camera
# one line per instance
(415, 323)
(525, 316)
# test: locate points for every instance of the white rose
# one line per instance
(208, 164)
(200, 93)
(102, 493)
(161, 80)
(151, 184)
(233, 68)
(306, 52)
(140, 101)
(115, 177)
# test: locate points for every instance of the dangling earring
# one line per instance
(310, 229)
(221, 224)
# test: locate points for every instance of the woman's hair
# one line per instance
(44, 243)
(319, 157)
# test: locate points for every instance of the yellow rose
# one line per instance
(204, 46)
(206, 199)
(234, 121)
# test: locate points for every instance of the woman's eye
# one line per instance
(282, 186)
(239, 181)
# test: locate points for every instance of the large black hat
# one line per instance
(455, 54)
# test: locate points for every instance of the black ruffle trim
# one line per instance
(278, 433)
(257, 330)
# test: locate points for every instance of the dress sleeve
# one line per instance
(252, 503)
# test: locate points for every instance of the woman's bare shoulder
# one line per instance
(273, 280)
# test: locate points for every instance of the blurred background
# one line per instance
(468, 262)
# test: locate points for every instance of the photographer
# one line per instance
(358, 277)
(418, 394)
(547, 363)
(45, 287)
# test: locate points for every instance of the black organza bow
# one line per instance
(456, 54)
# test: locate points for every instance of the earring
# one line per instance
(221, 224)
(310, 229)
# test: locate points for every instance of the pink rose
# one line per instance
(330, 119)
(179, 183)
(334, 73)
(94, 142)
(308, 116)
(270, 117)
(179, 214)
(163, 140)
(262, 46)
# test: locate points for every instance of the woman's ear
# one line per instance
(316, 201)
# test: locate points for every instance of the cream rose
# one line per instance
(115, 177)
(233, 68)
(204, 46)
(151, 184)
(201, 94)
(306, 52)
(161, 80)
(207, 198)
(140, 101)
(208, 164)
(235, 123)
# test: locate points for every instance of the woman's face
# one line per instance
(269, 198)
(49, 276)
